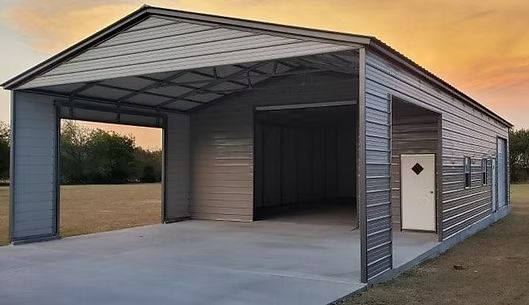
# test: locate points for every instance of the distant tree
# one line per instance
(99, 156)
(519, 154)
(5, 135)
(74, 139)
(110, 157)
(148, 165)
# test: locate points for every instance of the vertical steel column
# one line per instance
(361, 163)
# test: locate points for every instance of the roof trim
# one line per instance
(75, 49)
(325, 35)
(394, 55)
(145, 11)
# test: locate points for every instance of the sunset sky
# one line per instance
(481, 47)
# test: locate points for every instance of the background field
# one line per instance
(96, 208)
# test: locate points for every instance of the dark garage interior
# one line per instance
(305, 164)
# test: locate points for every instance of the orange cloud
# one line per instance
(482, 47)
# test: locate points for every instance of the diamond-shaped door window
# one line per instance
(417, 168)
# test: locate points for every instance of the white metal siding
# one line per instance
(34, 188)
(146, 49)
(176, 144)
(222, 143)
(465, 132)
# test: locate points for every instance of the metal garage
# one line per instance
(233, 96)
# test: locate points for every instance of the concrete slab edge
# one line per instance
(443, 246)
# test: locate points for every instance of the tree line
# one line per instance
(95, 157)
(519, 155)
(99, 156)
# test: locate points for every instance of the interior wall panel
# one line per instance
(223, 142)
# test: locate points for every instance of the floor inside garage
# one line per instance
(281, 261)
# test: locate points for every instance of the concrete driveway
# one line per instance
(191, 262)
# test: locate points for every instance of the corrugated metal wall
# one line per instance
(465, 132)
(414, 131)
(223, 144)
(160, 45)
(177, 169)
(378, 239)
(33, 175)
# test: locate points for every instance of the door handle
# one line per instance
(431, 192)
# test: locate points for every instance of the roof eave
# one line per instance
(386, 50)
(329, 36)
(73, 50)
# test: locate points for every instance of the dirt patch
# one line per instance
(493, 268)
(97, 208)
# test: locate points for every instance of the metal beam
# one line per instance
(116, 109)
(216, 76)
(151, 86)
(183, 84)
(138, 91)
(213, 83)
(102, 101)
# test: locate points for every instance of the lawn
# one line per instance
(96, 208)
(495, 268)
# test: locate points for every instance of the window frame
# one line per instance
(467, 172)
(484, 172)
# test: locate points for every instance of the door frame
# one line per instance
(506, 168)
(436, 181)
(494, 184)
(161, 123)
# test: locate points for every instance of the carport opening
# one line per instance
(110, 177)
(305, 164)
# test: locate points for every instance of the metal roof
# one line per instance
(282, 41)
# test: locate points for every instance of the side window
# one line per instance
(484, 173)
(468, 176)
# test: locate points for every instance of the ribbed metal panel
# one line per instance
(177, 167)
(223, 143)
(162, 47)
(34, 167)
(465, 132)
(377, 185)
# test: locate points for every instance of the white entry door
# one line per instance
(418, 191)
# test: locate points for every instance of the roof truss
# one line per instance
(183, 91)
